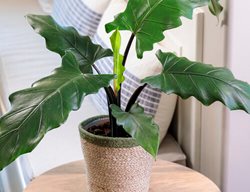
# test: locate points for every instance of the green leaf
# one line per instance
(215, 7)
(140, 126)
(205, 82)
(147, 20)
(60, 39)
(45, 106)
(119, 69)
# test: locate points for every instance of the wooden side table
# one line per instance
(166, 177)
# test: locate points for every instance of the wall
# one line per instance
(212, 119)
(237, 153)
(201, 134)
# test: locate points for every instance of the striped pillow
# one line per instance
(149, 98)
(79, 14)
(46, 5)
(155, 103)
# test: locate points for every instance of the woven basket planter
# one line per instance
(114, 164)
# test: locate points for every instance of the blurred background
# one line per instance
(214, 140)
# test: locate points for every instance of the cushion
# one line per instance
(98, 6)
(3, 94)
(46, 5)
(155, 103)
(84, 15)
(170, 151)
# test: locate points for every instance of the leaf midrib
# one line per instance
(138, 28)
(139, 126)
(206, 76)
(72, 44)
(147, 14)
(38, 105)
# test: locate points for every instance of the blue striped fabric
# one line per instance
(75, 13)
(149, 98)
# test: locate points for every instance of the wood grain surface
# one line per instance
(166, 177)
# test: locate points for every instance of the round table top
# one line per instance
(166, 176)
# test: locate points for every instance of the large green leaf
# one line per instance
(119, 69)
(60, 39)
(140, 126)
(148, 19)
(205, 82)
(45, 106)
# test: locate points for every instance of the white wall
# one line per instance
(237, 146)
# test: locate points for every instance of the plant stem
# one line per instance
(127, 49)
(111, 99)
(109, 90)
(124, 63)
(134, 97)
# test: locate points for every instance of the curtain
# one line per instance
(16, 176)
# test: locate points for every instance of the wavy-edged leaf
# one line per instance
(140, 126)
(205, 82)
(148, 19)
(60, 39)
(119, 69)
(45, 106)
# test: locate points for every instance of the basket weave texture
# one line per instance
(114, 164)
(117, 169)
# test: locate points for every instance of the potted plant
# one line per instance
(118, 147)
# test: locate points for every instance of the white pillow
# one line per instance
(46, 5)
(84, 15)
(155, 103)
(98, 6)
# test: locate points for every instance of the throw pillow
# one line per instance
(155, 103)
(84, 15)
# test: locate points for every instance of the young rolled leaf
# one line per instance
(205, 82)
(140, 126)
(119, 69)
(147, 20)
(60, 39)
(215, 7)
(45, 106)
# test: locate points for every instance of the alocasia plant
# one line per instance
(47, 103)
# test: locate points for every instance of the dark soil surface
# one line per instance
(102, 130)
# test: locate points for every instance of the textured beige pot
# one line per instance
(114, 164)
